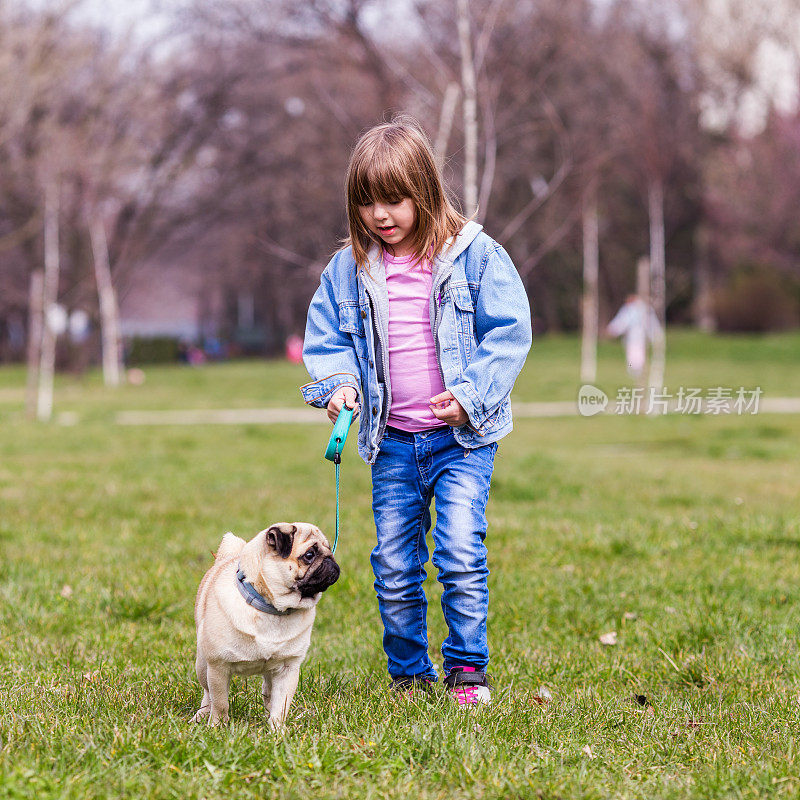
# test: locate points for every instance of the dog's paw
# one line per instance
(200, 715)
(276, 724)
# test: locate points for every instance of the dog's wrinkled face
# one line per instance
(307, 555)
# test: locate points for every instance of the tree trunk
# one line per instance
(643, 292)
(446, 115)
(591, 264)
(109, 311)
(47, 362)
(35, 322)
(703, 310)
(643, 279)
(655, 204)
(489, 160)
(468, 83)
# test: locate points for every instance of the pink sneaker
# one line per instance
(469, 686)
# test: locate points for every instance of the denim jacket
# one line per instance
(481, 324)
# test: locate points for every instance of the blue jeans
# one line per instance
(410, 470)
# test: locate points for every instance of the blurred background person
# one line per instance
(637, 323)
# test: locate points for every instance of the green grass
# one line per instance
(694, 360)
(682, 534)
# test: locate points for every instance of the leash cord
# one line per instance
(337, 460)
(334, 452)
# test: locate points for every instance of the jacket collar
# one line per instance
(452, 249)
(254, 599)
(374, 273)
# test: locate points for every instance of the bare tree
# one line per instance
(52, 264)
(591, 265)
(655, 205)
(445, 125)
(109, 310)
(578, 144)
(35, 323)
(470, 104)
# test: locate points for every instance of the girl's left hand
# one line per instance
(445, 407)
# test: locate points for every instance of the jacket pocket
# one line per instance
(350, 320)
(465, 321)
(463, 299)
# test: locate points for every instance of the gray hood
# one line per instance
(452, 249)
(443, 265)
(464, 238)
(374, 276)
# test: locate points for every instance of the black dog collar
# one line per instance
(254, 599)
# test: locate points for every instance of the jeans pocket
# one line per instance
(483, 466)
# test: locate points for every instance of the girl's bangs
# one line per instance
(379, 179)
(389, 163)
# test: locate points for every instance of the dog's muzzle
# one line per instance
(320, 578)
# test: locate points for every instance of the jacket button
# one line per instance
(371, 365)
(374, 411)
(363, 315)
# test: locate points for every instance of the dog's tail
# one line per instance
(230, 546)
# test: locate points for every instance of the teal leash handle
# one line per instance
(339, 434)
(334, 453)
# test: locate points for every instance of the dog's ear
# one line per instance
(281, 538)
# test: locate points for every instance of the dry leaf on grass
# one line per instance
(587, 751)
(691, 724)
(543, 695)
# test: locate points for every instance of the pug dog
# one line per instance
(254, 612)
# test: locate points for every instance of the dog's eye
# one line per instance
(309, 555)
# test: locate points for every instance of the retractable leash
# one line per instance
(334, 453)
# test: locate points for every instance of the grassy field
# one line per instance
(681, 534)
(694, 360)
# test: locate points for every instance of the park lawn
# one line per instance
(694, 360)
(680, 533)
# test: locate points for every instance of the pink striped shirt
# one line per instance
(413, 370)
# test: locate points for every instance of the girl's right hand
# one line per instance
(346, 394)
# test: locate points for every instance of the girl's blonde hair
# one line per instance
(390, 162)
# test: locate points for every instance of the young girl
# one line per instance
(423, 322)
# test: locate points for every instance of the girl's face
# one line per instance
(393, 223)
